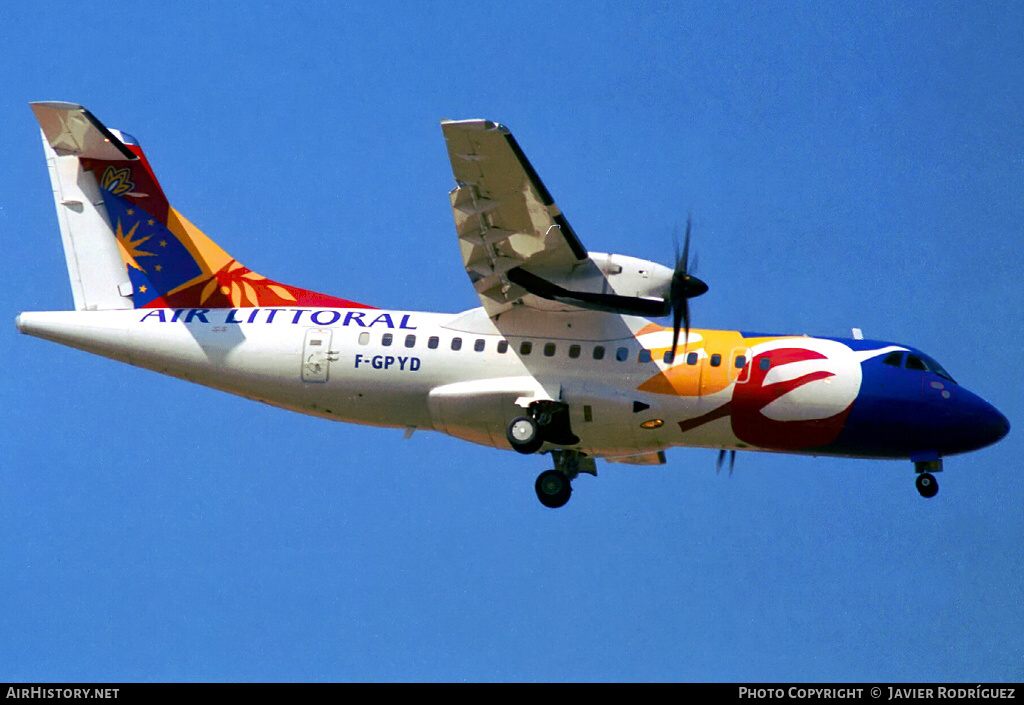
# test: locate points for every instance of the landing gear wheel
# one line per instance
(523, 435)
(553, 488)
(927, 485)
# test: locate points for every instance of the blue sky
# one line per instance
(858, 165)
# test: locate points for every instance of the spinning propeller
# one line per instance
(684, 287)
(721, 460)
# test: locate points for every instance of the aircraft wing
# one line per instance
(504, 216)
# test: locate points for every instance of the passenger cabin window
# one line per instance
(525, 348)
(599, 352)
(549, 350)
(691, 358)
(574, 351)
(364, 338)
(644, 356)
(456, 343)
(432, 342)
(478, 346)
(410, 341)
(386, 339)
(622, 354)
(669, 357)
(716, 360)
(764, 363)
(502, 346)
(741, 362)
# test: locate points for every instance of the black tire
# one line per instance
(553, 489)
(927, 485)
(524, 436)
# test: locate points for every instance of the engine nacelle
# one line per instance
(602, 282)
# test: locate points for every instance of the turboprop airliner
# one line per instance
(561, 358)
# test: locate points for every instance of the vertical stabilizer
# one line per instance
(125, 245)
(99, 279)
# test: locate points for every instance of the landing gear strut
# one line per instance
(926, 483)
(547, 421)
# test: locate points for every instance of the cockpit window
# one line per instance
(916, 363)
(894, 358)
(923, 362)
(937, 368)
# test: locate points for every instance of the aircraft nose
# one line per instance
(996, 426)
(986, 425)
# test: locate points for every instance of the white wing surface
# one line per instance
(504, 216)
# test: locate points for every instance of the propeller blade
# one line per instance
(686, 324)
(678, 313)
(684, 286)
(686, 244)
(721, 461)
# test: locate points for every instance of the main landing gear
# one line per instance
(544, 421)
(549, 421)
(524, 435)
(926, 483)
(554, 487)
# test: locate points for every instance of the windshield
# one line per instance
(937, 368)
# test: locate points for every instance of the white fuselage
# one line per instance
(452, 373)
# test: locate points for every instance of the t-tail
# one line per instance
(126, 246)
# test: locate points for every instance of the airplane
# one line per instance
(561, 357)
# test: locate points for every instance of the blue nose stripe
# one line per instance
(893, 418)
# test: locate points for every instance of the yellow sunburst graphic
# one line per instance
(129, 246)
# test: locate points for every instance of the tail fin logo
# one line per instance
(117, 181)
(157, 261)
(170, 262)
(174, 264)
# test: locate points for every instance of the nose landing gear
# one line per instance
(926, 483)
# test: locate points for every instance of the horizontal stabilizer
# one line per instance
(70, 129)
